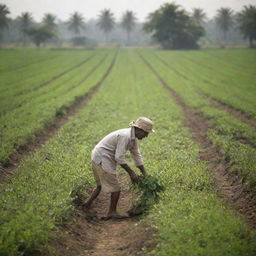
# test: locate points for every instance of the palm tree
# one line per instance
(4, 11)
(224, 20)
(49, 21)
(25, 21)
(106, 22)
(247, 23)
(199, 15)
(76, 22)
(128, 22)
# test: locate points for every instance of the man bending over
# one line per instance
(110, 152)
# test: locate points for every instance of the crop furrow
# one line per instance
(228, 185)
(42, 137)
(244, 117)
(226, 78)
(205, 65)
(180, 73)
(21, 103)
(40, 73)
(172, 68)
(235, 62)
(91, 71)
(238, 114)
(15, 68)
(56, 77)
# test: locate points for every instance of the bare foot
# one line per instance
(114, 216)
(86, 206)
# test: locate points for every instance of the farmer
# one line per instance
(109, 152)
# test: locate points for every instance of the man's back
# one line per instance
(110, 141)
(110, 151)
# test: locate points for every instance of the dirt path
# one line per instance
(87, 235)
(50, 130)
(227, 185)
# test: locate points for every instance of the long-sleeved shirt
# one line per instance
(111, 150)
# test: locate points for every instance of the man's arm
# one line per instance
(135, 152)
(122, 142)
(136, 155)
(131, 173)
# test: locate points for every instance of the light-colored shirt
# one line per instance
(111, 150)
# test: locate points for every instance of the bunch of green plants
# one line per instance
(147, 194)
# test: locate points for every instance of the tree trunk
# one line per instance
(1, 37)
(38, 44)
(225, 35)
(24, 41)
(128, 38)
(251, 42)
(106, 37)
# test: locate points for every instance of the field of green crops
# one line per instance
(191, 219)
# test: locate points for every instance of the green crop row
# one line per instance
(231, 72)
(62, 81)
(190, 218)
(24, 80)
(23, 123)
(17, 59)
(186, 86)
(218, 77)
(225, 125)
(239, 58)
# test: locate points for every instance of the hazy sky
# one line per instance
(91, 8)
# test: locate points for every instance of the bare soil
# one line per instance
(228, 185)
(50, 130)
(87, 235)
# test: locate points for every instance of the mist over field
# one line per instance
(91, 23)
(91, 8)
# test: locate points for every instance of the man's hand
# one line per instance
(142, 170)
(131, 173)
(134, 178)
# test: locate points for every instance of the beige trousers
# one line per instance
(108, 181)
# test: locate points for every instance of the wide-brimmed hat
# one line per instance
(143, 123)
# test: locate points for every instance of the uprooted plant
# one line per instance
(147, 194)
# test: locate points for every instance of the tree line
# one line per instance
(170, 25)
(48, 27)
